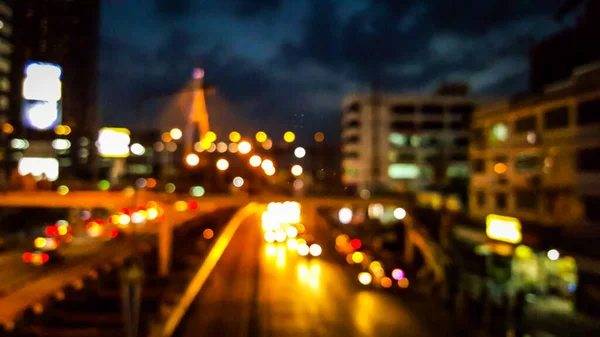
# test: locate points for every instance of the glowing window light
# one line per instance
(137, 149)
(244, 147)
(500, 132)
(503, 228)
(235, 136)
(114, 142)
(403, 171)
(399, 213)
(61, 144)
(299, 152)
(38, 167)
(261, 136)
(238, 182)
(221, 147)
(365, 278)
(255, 161)
(345, 215)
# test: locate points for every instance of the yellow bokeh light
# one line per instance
(62, 230)
(222, 164)
(210, 136)
(208, 234)
(291, 232)
(192, 159)
(152, 213)
(357, 257)
(235, 136)
(319, 137)
(386, 282)
(297, 170)
(59, 130)
(255, 161)
(289, 137)
(261, 136)
(244, 147)
(365, 278)
(67, 130)
(176, 133)
(403, 283)
(39, 242)
(500, 168)
(180, 206)
(62, 190)
(166, 137)
(205, 144)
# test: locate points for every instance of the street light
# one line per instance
(244, 147)
(299, 152)
(255, 161)
(192, 159)
(176, 133)
(289, 137)
(261, 136)
(297, 170)
(222, 164)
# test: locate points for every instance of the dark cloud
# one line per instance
(173, 8)
(252, 8)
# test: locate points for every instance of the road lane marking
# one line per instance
(205, 270)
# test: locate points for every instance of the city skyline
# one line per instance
(272, 60)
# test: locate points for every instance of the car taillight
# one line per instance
(27, 257)
(45, 258)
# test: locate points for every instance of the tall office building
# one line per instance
(65, 33)
(7, 86)
(406, 142)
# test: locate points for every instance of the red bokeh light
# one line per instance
(45, 258)
(99, 222)
(192, 205)
(124, 210)
(355, 243)
(27, 257)
(114, 232)
(51, 231)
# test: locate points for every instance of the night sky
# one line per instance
(272, 59)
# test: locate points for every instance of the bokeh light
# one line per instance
(222, 164)
(197, 191)
(103, 185)
(267, 144)
(62, 190)
(244, 147)
(365, 278)
(192, 159)
(297, 170)
(399, 213)
(299, 152)
(238, 182)
(235, 136)
(261, 136)
(289, 137)
(255, 161)
(319, 137)
(210, 136)
(170, 188)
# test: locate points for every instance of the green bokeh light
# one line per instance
(103, 185)
(170, 188)
(197, 191)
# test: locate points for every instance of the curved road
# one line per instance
(260, 289)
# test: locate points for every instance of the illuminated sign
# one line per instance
(42, 94)
(113, 142)
(503, 228)
(38, 167)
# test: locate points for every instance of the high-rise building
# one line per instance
(65, 33)
(7, 86)
(405, 142)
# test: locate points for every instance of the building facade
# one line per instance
(7, 83)
(405, 142)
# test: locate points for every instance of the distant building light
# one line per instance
(39, 167)
(19, 144)
(403, 171)
(114, 142)
(61, 144)
(503, 228)
(137, 149)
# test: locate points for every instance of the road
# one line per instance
(260, 289)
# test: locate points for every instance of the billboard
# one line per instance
(42, 96)
(113, 142)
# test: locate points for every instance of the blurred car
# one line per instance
(43, 250)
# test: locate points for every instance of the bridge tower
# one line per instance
(198, 118)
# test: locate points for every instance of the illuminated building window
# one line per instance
(499, 133)
(458, 171)
(556, 118)
(591, 203)
(415, 140)
(403, 171)
(403, 109)
(4, 65)
(501, 200)
(588, 160)
(478, 165)
(351, 172)
(480, 197)
(4, 84)
(527, 200)
(526, 124)
(398, 139)
(4, 103)
(588, 112)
